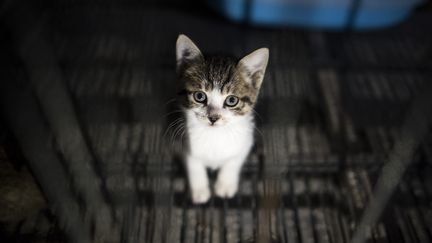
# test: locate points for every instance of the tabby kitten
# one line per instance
(217, 95)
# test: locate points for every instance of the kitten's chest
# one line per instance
(216, 146)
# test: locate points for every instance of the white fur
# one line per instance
(224, 146)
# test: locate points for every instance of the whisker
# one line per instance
(258, 130)
(257, 115)
(170, 101)
(173, 124)
(182, 136)
(172, 112)
(175, 139)
(179, 129)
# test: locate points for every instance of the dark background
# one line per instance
(87, 153)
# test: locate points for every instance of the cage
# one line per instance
(343, 146)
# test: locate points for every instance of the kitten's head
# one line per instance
(218, 90)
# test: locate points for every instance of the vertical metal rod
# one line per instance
(413, 132)
(51, 92)
(26, 122)
(49, 87)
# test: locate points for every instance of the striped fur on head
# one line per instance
(218, 75)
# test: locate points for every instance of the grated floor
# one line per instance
(330, 111)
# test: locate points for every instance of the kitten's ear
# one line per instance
(253, 66)
(186, 50)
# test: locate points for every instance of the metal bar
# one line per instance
(412, 133)
(27, 124)
(295, 208)
(417, 214)
(49, 86)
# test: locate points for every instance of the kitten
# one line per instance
(217, 95)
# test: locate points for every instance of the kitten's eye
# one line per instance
(200, 97)
(231, 101)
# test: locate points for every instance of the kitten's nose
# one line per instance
(213, 118)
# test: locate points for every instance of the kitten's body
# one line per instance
(224, 148)
(217, 95)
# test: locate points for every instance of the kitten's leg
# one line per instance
(198, 180)
(228, 178)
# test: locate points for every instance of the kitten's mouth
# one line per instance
(214, 124)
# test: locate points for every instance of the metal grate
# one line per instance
(330, 114)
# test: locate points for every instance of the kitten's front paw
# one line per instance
(200, 195)
(225, 188)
